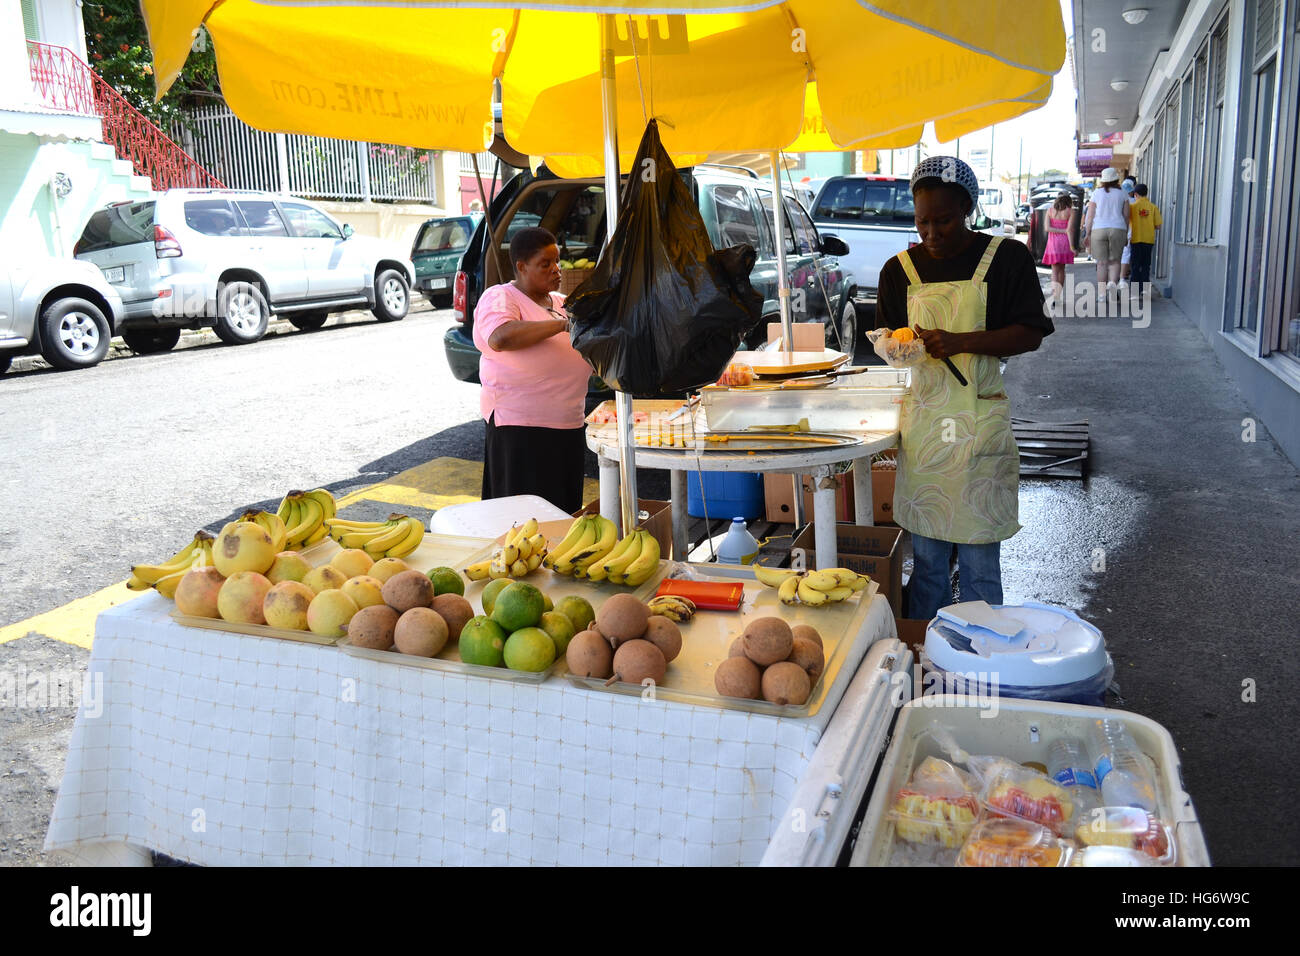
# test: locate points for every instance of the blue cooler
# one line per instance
(1031, 650)
(730, 494)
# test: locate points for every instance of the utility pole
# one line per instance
(992, 132)
(1020, 174)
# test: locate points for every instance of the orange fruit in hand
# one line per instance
(903, 335)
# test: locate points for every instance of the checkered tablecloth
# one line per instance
(223, 749)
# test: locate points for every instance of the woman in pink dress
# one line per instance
(1059, 252)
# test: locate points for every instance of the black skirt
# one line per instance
(523, 460)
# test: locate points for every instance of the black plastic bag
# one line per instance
(663, 311)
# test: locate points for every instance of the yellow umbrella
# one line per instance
(717, 74)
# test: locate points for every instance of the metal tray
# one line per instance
(707, 637)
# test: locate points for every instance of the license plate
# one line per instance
(115, 274)
(438, 284)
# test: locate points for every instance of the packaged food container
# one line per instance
(1110, 856)
(1016, 791)
(939, 805)
(1128, 828)
(995, 842)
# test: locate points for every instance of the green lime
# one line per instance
(446, 581)
(518, 606)
(482, 641)
(490, 592)
(529, 649)
(559, 628)
(578, 610)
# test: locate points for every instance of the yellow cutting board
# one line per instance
(792, 363)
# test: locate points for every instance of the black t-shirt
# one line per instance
(1014, 295)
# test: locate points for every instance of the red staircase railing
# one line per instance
(66, 82)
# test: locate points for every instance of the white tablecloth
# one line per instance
(223, 749)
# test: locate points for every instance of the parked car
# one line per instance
(997, 204)
(60, 308)
(229, 258)
(436, 255)
(873, 214)
(735, 207)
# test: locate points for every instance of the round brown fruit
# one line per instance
(589, 655)
(768, 640)
(407, 589)
(636, 661)
(808, 632)
(665, 635)
(808, 656)
(456, 611)
(197, 592)
(622, 618)
(737, 677)
(786, 683)
(373, 627)
(421, 632)
(737, 648)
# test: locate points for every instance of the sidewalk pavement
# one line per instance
(1181, 547)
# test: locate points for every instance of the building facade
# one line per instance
(1210, 92)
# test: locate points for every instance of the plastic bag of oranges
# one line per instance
(900, 348)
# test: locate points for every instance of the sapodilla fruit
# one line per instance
(406, 590)
(197, 592)
(421, 632)
(665, 635)
(288, 566)
(806, 631)
(786, 683)
(622, 618)
(768, 640)
(352, 562)
(737, 677)
(243, 546)
(456, 611)
(636, 661)
(285, 605)
(373, 627)
(589, 655)
(241, 596)
(325, 578)
(808, 655)
(329, 613)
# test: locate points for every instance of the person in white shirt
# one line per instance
(1107, 229)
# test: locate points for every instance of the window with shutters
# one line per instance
(1214, 130)
(1196, 80)
(31, 23)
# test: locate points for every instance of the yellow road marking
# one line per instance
(74, 622)
(432, 485)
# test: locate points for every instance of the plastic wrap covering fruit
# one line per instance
(1013, 843)
(1130, 828)
(900, 348)
(938, 805)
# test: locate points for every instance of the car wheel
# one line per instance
(847, 339)
(308, 321)
(74, 334)
(242, 314)
(151, 341)
(392, 296)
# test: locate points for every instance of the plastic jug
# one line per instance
(739, 546)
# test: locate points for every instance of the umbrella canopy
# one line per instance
(718, 74)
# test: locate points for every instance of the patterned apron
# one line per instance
(958, 465)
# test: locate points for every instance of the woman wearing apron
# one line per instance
(972, 298)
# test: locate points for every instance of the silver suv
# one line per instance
(230, 258)
(61, 308)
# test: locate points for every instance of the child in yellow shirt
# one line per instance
(1144, 220)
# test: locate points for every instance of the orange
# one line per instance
(903, 335)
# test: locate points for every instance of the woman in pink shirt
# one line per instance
(534, 381)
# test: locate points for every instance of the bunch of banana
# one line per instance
(590, 540)
(673, 607)
(814, 588)
(304, 514)
(165, 576)
(273, 525)
(395, 538)
(521, 555)
(631, 562)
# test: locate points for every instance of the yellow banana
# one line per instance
(360, 538)
(772, 577)
(647, 561)
(623, 554)
(529, 528)
(810, 595)
(342, 525)
(847, 578)
(673, 607)
(310, 517)
(393, 535)
(602, 546)
(789, 590)
(320, 534)
(524, 548)
(564, 564)
(271, 524)
(413, 539)
(509, 555)
(538, 543)
(534, 562)
(821, 580)
(134, 583)
(519, 569)
(478, 572)
(571, 538)
(840, 593)
(329, 507)
(292, 518)
(495, 572)
(283, 510)
(166, 586)
(860, 582)
(180, 561)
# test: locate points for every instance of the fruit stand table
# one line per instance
(815, 459)
(227, 749)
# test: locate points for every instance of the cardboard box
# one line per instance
(882, 490)
(873, 551)
(778, 495)
(570, 279)
(808, 336)
(912, 633)
(659, 524)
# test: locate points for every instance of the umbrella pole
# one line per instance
(622, 400)
(782, 279)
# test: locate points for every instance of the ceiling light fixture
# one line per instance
(1112, 120)
(1135, 16)
(1119, 85)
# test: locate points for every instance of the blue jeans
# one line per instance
(979, 573)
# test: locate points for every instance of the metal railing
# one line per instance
(310, 166)
(66, 82)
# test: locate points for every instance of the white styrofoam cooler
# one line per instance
(1020, 730)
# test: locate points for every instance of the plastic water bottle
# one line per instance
(1067, 764)
(1123, 772)
(739, 546)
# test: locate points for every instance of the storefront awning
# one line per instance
(1093, 161)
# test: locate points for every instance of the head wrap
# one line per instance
(948, 169)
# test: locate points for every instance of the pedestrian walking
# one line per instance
(1146, 220)
(1059, 252)
(1107, 230)
(1128, 185)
